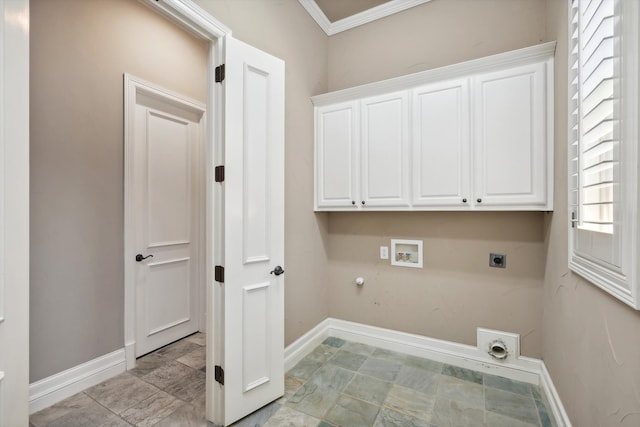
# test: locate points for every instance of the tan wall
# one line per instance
(284, 29)
(591, 344)
(79, 52)
(456, 291)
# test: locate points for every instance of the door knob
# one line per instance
(139, 257)
(277, 271)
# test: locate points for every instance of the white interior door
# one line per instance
(168, 193)
(253, 329)
(14, 212)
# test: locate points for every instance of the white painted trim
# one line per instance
(55, 388)
(134, 86)
(525, 369)
(1, 396)
(557, 408)
(194, 18)
(364, 17)
(522, 56)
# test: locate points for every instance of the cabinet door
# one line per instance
(385, 150)
(510, 141)
(441, 145)
(336, 155)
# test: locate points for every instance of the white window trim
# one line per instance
(621, 283)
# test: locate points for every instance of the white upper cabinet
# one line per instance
(384, 150)
(510, 137)
(471, 136)
(336, 157)
(441, 145)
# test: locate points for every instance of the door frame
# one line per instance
(132, 87)
(193, 18)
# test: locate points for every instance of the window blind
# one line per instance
(595, 136)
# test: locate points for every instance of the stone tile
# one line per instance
(426, 364)
(352, 412)
(410, 402)
(386, 370)
(92, 414)
(544, 409)
(467, 392)
(312, 400)
(197, 359)
(197, 338)
(52, 413)
(353, 347)
(418, 379)
(522, 408)
(169, 374)
(390, 418)
(287, 417)
(369, 389)
(389, 355)
(304, 369)
(121, 392)
(462, 374)
(259, 417)
(186, 416)
(348, 360)
(497, 420)
(177, 349)
(151, 410)
(190, 387)
(147, 364)
(325, 424)
(321, 353)
(331, 377)
(450, 413)
(507, 385)
(291, 386)
(334, 342)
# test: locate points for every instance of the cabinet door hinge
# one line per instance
(219, 173)
(219, 73)
(219, 374)
(219, 274)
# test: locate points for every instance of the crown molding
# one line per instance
(381, 11)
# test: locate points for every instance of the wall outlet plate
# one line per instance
(498, 260)
(485, 337)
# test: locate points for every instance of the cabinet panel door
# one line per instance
(510, 137)
(336, 155)
(441, 144)
(385, 150)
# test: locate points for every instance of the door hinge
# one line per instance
(219, 73)
(574, 220)
(219, 274)
(219, 173)
(219, 374)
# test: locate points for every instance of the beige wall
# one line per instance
(591, 341)
(284, 29)
(79, 52)
(456, 291)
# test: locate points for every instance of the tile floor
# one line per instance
(340, 384)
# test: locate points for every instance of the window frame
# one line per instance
(621, 280)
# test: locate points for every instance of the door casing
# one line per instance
(135, 87)
(199, 22)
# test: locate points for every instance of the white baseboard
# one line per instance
(523, 369)
(55, 388)
(559, 413)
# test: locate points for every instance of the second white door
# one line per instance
(168, 221)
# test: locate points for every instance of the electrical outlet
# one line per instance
(497, 260)
(384, 252)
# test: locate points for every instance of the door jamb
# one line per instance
(193, 18)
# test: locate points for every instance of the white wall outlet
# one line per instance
(384, 252)
(498, 345)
